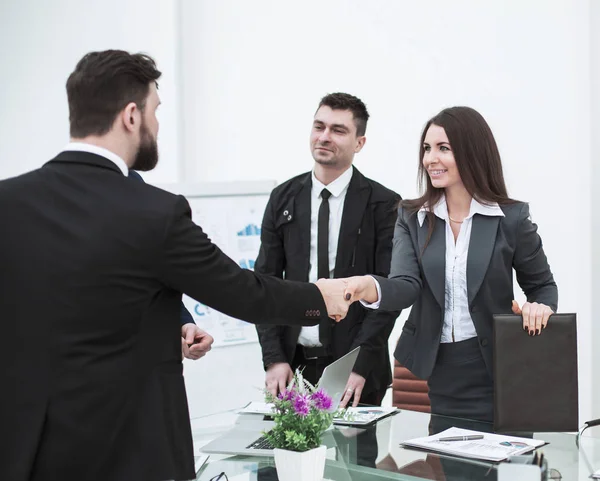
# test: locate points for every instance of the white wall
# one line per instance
(595, 201)
(40, 44)
(242, 80)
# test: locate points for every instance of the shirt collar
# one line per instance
(440, 209)
(337, 187)
(94, 149)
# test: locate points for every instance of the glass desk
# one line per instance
(374, 453)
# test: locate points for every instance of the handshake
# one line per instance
(338, 294)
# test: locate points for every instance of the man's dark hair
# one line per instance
(102, 84)
(342, 101)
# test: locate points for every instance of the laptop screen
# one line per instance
(335, 377)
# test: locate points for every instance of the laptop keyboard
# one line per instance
(260, 443)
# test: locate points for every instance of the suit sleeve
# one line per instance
(189, 262)
(530, 263)
(378, 324)
(185, 316)
(270, 261)
(401, 289)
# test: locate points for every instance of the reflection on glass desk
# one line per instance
(374, 453)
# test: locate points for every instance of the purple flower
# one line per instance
(286, 395)
(321, 400)
(302, 405)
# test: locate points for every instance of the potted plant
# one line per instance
(302, 413)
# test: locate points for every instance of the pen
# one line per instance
(462, 438)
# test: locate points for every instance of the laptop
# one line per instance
(535, 377)
(246, 437)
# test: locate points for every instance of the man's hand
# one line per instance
(354, 387)
(195, 342)
(361, 288)
(332, 291)
(278, 377)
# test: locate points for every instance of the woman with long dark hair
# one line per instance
(455, 248)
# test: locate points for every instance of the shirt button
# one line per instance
(318, 313)
(484, 342)
(285, 212)
(289, 217)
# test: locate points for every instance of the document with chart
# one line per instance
(487, 446)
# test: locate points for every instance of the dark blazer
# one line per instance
(497, 246)
(184, 315)
(92, 270)
(364, 247)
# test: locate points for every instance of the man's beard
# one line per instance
(331, 161)
(328, 162)
(146, 157)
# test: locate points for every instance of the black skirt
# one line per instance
(460, 385)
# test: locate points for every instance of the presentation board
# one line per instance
(230, 213)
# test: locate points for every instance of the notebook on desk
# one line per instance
(535, 377)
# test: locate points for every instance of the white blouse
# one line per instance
(458, 325)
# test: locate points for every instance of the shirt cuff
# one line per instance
(376, 304)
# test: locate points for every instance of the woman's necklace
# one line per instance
(456, 221)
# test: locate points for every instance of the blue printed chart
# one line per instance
(232, 222)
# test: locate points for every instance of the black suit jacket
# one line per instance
(184, 315)
(497, 246)
(364, 247)
(92, 270)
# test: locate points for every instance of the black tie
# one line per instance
(323, 258)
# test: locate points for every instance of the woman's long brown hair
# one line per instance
(477, 159)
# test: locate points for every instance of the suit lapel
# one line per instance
(302, 205)
(433, 260)
(299, 207)
(357, 198)
(481, 246)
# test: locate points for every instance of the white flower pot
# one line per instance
(305, 466)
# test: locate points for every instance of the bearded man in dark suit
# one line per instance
(92, 377)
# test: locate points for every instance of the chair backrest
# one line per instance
(409, 392)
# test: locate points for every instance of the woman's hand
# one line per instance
(361, 288)
(535, 316)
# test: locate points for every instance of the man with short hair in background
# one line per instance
(331, 222)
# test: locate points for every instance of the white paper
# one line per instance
(489, 448)
(256, 407)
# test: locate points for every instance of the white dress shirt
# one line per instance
(309, 336)
(458, 325)
(94, 149)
